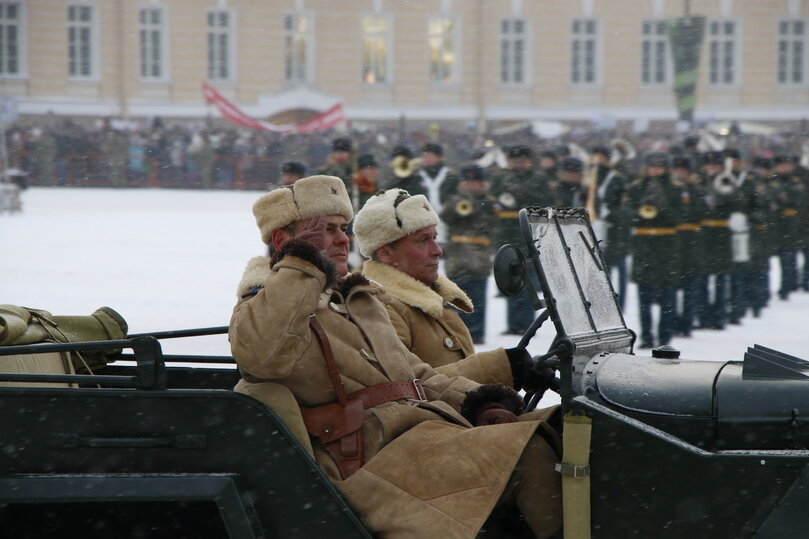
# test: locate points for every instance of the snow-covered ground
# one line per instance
(170, 259)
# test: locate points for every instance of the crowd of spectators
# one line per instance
(206, 154)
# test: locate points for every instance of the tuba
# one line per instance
(724, 184)
(622, 150)
(654, 198)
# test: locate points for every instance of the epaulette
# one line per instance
(252, 291)
(676, 182)
(637, 181)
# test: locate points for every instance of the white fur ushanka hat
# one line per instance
(307, 197)
(391, 215)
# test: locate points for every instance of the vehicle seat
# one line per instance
(280, 400)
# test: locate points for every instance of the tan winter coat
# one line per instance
(427, 473)
(428, 324)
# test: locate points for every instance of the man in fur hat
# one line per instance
(301, 322)
(397, 232)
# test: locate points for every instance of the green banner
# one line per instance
(685, 37)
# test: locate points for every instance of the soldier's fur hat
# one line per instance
(307, 197)
(391, 215)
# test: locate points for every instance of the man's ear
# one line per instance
(280, 237)
(385, 255)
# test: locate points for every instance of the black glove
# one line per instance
(526, 375)
(490, 404)
(311, 254)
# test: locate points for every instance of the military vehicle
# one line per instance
(152, 445)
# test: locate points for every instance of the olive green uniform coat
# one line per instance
(427, 472)
(514, 190)
(427, 323)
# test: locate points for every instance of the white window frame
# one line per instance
(94, 52)
(309, 47)
(21, 41)
(216, 33)
(581, 39)
(718, 54)
(508, 65)
(385, 37)
(658, 47)
(145, 55)
(790, 40)
(455, 41)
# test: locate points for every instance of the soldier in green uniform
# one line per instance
(691, 244)
(722, 200)
(517, 187)
(789, 199)
(612, 220)
(470, 217)
(739, 223)
(340, 164)
(439, 179)
(549, 166)
(569, 191)
(762, 238)
(655, 205)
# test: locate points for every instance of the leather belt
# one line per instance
(508, 214)
(389, 391)
(789, 212)
(477, 240)
(715, 223)
(654, 231)
(691, 227)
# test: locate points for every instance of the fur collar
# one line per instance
(415, 293)
(258, 269)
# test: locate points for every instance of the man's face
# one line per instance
(429, 159)
(546, 163)
(655, 171)
(522, 163)
(712, 169)
(340, 156)
(369, 173)
(329, 236)
(289, 179)
(569, 176)
(417, 255)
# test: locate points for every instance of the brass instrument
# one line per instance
(708, 142)
(622, 150)
(404, 167)
(654, 199)
(724, 184)
(464, 207)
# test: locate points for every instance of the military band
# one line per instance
(695, 230)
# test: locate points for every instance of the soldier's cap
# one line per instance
(733, 153)
(366, 161)
(657, 159)
(603, 150)
(341, 144)
(547, 154)
(389, 216)
(293, 167)
(571, 164)
(786, 158)
(761, 161)
(520, 150)
(472, 172)
(307, 197)
(691, 142)
(401, 151)
(562, 151)
(681, 161)
(432, 147)
(713, 158)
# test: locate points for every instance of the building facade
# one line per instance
(433, 60)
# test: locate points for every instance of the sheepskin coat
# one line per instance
(427, 472)
(427, 322)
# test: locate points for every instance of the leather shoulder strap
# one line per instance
(334, 372)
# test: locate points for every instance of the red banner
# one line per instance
(325, 120)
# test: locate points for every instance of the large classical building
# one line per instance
(437, 60)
